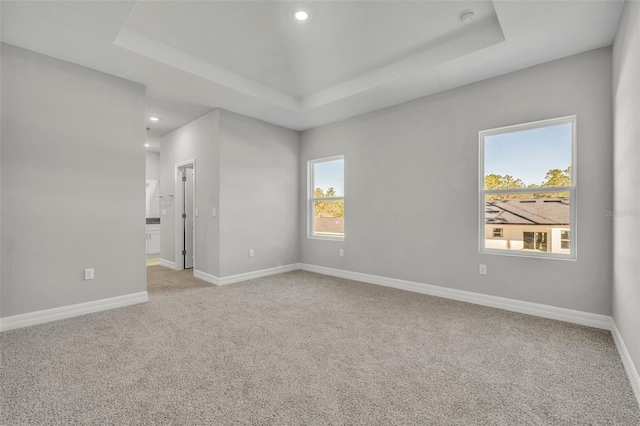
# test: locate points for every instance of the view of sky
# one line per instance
(528, 154)
(330, 174)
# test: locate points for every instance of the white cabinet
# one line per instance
(153, 239)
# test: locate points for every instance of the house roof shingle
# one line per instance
(528, 211)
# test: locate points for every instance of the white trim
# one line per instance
(167, 263)
(231, 279)
(625, 356)
(212, 279)
(537, 309)
(55, 314)
(259, 274)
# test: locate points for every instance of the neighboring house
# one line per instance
(540, 224)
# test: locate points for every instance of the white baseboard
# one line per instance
(55, 314)
(231, 279)
(167, 263)
(630, 368)
(212, 279)
(545, 311)
(258, 274)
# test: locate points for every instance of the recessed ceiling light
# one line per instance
(301, 15)
(153, 118)
(467, 16)
(146, 145)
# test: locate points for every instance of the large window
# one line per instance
(326, 198)
(527, 189)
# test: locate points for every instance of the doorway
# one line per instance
(185, 215)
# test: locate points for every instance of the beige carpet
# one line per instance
(306, 349)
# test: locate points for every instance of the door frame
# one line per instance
(179, 223)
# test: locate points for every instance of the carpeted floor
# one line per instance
(306, 349)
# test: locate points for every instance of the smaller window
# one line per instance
(326, 198)
(564, 239)
(497, 232)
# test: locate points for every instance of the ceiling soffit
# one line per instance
(446, 41)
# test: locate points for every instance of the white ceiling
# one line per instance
(263, 42)
(348, 58)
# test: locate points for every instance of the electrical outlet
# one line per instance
(250, 252)
(164, 212)
(88, 274)
(482, 269)
(341, 252)
(214, 213)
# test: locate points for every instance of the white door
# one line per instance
(189, 218)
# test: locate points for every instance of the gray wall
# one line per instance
(258, 194)
(411, 179)
(152, 165)
(1, 303)
(72, 183)
(626, 182)
(248, 171)
(197, 140)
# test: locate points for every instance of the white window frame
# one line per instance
(570, 189)
(311, 200)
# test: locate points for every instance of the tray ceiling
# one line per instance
(348, 58)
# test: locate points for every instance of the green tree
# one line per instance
(494, 181)
(557, 177)
(553, 178)
(330, 208)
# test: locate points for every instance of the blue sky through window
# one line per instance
(330, 174)
(528, 154)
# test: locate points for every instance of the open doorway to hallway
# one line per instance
(153, 261)
(153, 208)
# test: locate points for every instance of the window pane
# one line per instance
(529, 222)
(528, 158)
(328, 179)
(564, 239)
(329, 218)
(529, 240)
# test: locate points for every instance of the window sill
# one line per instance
(530, 254)
(325, 237)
